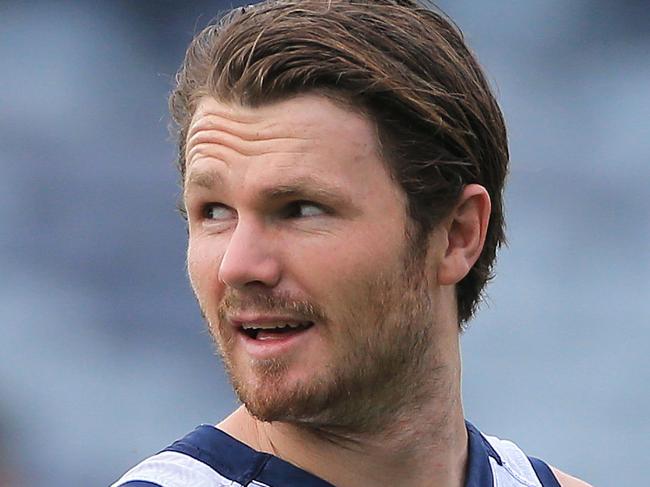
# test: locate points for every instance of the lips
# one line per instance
(273, 330)
(268, 327)
(264, 336)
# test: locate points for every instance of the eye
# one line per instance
(304, 209)
(216, 212)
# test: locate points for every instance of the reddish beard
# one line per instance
(379, 355)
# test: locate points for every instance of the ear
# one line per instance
(466, 228)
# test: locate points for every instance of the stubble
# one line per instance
(380, 359)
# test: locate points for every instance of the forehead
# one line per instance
(297, 124)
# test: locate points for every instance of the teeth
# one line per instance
(271, 326)
(295, 325)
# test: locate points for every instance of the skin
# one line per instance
(292, 213)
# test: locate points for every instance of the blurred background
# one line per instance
(103, 355)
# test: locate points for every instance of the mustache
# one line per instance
(280, 303)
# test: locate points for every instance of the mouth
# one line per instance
(278, 330)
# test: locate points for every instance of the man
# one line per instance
(343, 164)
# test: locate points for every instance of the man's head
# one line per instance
(406, 67)
(334, 157)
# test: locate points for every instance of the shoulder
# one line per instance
(167, 469)
(513, 465)
(199, 459)
(566, 480)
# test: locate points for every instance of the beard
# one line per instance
(379, 340)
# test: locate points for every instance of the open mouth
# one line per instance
(274, 331)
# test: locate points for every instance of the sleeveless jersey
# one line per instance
(209, 457)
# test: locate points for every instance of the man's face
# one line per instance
(299, 259)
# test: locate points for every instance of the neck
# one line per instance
(421, 445)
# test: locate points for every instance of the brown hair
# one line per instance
(405, 65)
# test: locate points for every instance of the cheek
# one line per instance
(203, 262)
(341, 274)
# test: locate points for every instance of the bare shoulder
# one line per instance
(567, 480)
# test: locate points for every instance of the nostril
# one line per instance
(256, 285)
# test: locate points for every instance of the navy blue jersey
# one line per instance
(208, 457)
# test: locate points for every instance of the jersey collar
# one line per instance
(479, 470)
(243, 465)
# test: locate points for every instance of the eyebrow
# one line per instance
(203, 179)
(305, 186)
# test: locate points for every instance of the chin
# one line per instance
(274, 394)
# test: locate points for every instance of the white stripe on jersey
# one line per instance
(171, 469)
(516, 470)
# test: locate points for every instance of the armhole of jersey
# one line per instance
(544, 473)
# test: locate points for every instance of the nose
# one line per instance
(250, 258)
